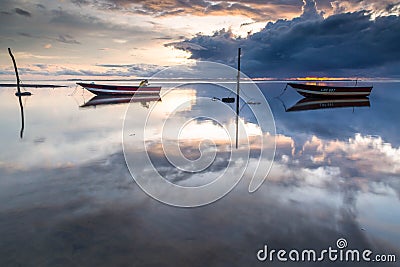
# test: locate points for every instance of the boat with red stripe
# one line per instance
(103, 89)
(318, 91)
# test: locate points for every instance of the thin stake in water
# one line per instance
(237, 98)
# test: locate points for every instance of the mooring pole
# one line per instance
(16, 69)
(237, 98)
(21, 133)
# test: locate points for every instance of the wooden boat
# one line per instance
(318, 91)
(326, 103)
(102, 89)
(102, 100)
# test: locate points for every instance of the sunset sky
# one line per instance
(91, 39)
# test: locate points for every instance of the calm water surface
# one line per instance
(68, 199)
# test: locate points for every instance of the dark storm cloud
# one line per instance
(342, 44)
(310, 11)
(22, 12)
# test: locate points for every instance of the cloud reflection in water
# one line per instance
(92, 213)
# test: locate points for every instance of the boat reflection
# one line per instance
(103, 100)
(325, 103)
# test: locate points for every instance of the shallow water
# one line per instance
(68, 198)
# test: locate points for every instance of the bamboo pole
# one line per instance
(237, 98)
(16, 70)
(19, 94)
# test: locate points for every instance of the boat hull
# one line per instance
(101, 89)
(320, 91)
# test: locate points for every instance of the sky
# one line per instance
(100, 39)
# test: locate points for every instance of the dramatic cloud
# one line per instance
(254, 9)
(384, 7)
(257, 10)
(349, 44)
(301, 38)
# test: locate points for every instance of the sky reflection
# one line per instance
(66, 189)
